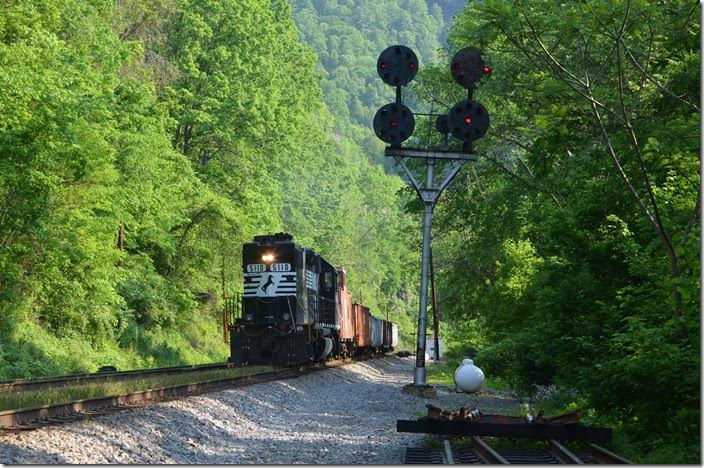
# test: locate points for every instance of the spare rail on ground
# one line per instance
(497, 425)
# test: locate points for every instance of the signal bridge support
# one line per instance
(429, 193)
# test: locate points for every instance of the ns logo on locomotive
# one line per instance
(296, 309)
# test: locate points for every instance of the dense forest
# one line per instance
(140, 144)
(568, 255)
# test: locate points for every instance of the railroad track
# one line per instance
(46, 383)
(24, 419)
(480, 452)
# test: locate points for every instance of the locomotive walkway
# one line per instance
(339, 416)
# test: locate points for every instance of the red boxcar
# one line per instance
(361, 330)
(346, 314)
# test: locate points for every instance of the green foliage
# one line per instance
(348, 37)
(140, 144)
(365, 227)
(570, 253)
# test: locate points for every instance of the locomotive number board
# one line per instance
(261, 268)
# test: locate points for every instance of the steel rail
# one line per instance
(35, 417)
(606, 456)
(486, 453)
(561, 453)
(43, 383)
(482, 453)
(449, 459)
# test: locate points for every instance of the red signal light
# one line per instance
(383, 66)
(411, 65)
(394, 123)
(487, 69)
(468, 120)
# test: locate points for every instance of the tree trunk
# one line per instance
(187, 139)
(121, 237)
(677, 295)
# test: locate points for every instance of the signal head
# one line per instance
(468, 121)
(394, 123)
(468, 67)
(441, 124)
(397, 65)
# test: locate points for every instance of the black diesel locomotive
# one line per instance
(296, 309)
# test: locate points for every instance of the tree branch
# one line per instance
(657, 83)
(692, 218)
(531, 185)
(641, 83)
(556, 66)
(552, 59)
(638, 65)
(622, 174)
(634, 140)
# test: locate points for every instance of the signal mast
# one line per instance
(394, 123)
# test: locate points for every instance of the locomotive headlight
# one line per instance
(249, 317)
(286, 317)
(268, 258)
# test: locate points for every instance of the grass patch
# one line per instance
(443, 373)
(17, 400)
(29, 351)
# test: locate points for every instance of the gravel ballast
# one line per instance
(345, 415)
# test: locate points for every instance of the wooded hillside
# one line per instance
(140, 144)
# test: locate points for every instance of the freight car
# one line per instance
(296, 309)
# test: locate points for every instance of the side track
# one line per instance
(36, 417)
(44, 383)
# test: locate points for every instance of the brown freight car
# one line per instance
(386, 343)
(362, 338)
(347, 324)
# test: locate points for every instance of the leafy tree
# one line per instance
(570, 254)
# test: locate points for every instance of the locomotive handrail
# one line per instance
(292, 313)
(231, 311)
(328, 312)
